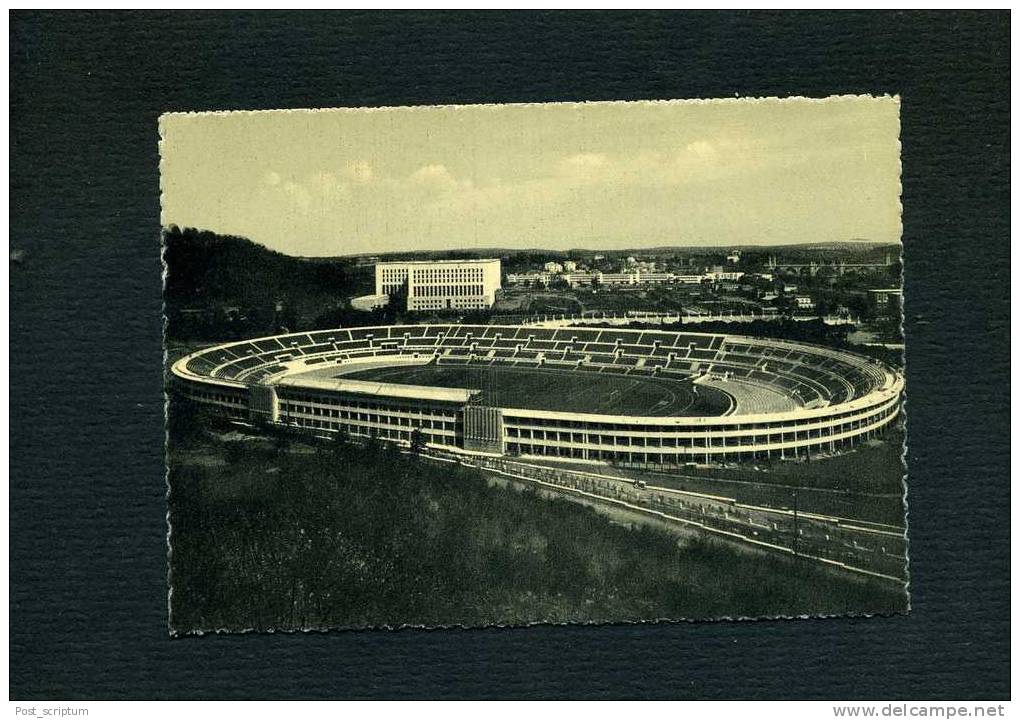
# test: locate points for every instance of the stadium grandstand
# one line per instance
(637, 398)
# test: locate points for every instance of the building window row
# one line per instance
(822, 435)
(418, 291)
(448, 274)
(289, 409)
(365, 431)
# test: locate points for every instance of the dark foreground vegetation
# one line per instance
(220, 287)
(279, 535)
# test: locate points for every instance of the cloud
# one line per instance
(701, 148)
(437, 178)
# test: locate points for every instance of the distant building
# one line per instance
(804, 302)
(530, 279)
(553, 267)
(734, 256)
(569, 266)
(886, 301)
(631, 277)
(654, 278)
(724, 275)
(581, 279)
(370, 302)
(441, 284)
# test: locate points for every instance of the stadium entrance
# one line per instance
(483, 429)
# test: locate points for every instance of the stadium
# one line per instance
(638, 398)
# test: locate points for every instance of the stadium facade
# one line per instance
(441, 284)
(787, 398)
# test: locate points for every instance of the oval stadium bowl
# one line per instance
(639, 398)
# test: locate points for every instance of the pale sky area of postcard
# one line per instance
(556, 176)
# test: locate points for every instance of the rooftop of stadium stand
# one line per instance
(362, 387)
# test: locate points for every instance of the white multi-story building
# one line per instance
(633, 277)
(724, 275)
(441, 284)
(553, 267)
(688, 279)
(529, 278)
(578, 279)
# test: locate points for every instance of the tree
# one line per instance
(785, 304)
(372, 444)
(417, 441)
(281, 444)
(234, 452)
(221, 286)
(341, 441)
(398, 300)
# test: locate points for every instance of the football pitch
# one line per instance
(564, 391)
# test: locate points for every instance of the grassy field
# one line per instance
(284, 537)
(555, 304)
(566, 391)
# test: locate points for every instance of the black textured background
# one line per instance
(87, 567)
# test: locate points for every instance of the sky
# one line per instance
(550, 176)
